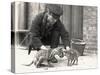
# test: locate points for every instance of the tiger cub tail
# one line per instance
(28, 64)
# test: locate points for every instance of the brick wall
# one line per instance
(90, 28)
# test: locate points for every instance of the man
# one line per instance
(47, 28)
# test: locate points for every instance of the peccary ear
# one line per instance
(72, 52)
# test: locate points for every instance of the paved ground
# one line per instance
(85, 62)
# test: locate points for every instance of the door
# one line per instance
(73, 20)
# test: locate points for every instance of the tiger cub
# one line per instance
(46, 55)
(72, 56)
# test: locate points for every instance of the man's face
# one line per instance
(51, 18)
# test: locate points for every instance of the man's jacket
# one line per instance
(42, 35)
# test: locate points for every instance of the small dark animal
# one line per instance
(72, 56)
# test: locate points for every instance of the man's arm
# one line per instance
(65, 37)
(35, 30)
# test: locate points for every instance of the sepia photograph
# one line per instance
(53, 37)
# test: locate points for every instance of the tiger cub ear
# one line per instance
(60, 48)
(63, 49)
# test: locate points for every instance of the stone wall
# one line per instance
(90, 28)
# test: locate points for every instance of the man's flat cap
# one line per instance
(55, 8)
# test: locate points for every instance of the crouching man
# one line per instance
(47, 28)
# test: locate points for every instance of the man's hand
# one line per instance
(67, 48)
(43, 48)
